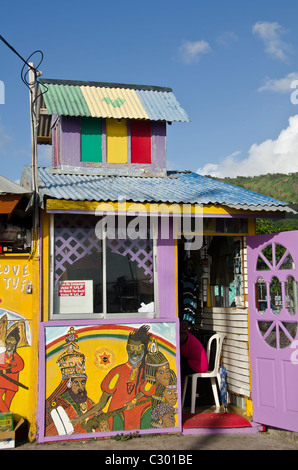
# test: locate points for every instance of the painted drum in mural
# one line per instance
(110, 378)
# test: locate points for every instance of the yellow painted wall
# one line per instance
(45, 266)
(116, 132)
(21, 309)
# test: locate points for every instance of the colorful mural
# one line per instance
(14, 334)
(110, 378)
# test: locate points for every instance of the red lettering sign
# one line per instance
(72, 289)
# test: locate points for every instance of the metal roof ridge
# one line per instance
(54, 81)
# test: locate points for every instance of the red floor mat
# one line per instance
(214, 420)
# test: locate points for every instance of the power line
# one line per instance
(16, 52)
(33, 73)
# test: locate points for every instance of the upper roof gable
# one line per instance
(105, 100)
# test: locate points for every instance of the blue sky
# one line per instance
(230, 64)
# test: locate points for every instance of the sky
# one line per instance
(232, 65)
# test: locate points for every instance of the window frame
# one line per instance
(104, 314)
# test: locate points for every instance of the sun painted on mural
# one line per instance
(128, 385)
(104, 357)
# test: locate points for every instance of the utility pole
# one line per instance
(32, 84)
(32, 76)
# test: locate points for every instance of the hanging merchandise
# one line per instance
(223, 387)
(190, 288)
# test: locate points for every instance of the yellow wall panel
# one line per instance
(116, 141)
(19, 314)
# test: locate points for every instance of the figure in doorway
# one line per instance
(193, 355)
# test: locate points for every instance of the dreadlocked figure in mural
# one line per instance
(11, 364)
(70, 399)
(125, 387)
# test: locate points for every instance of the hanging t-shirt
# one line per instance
(190, 287)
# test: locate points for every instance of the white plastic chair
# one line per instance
(213, 374)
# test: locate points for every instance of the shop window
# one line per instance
(94, 275)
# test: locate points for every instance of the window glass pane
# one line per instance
(218, 225)
(129, 268)
(279, 252)
(271, 338)
(275, 295)
(291, 293)
(264, 262)
(261, 295)
(288, 333)
(287, 263)
(79, 267)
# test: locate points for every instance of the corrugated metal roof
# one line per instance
(108, 100)
(9, 187)
(177, 187)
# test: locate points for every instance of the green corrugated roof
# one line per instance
(65, 100)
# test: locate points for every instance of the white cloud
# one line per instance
(281, 85)
(226, 38)
(271, 156)
(190, 52)
(270, 34)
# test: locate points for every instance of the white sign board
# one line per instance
(74, 297)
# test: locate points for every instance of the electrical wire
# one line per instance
(29, 85)
(25, 73)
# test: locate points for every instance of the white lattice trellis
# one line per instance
(73, 241)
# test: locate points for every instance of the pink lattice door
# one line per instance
(273, 319)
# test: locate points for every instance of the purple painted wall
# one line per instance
(166, 276)
(70, 154)
(158, 145)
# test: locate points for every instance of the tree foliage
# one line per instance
(283, 187)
